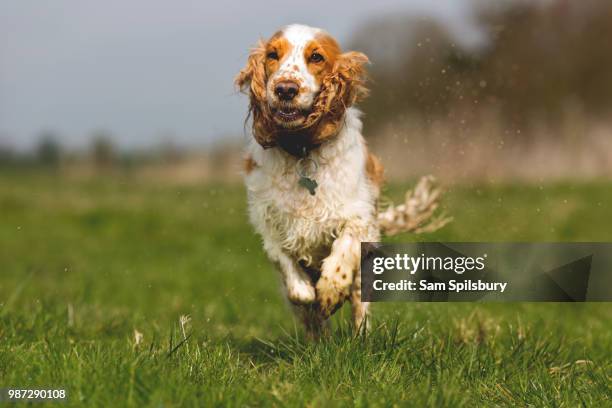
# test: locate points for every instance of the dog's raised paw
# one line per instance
(330, 296)
(301, 293)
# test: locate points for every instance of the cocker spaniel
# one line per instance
(312, 184)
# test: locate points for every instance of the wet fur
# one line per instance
(314, 240)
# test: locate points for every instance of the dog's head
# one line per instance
(300, 83)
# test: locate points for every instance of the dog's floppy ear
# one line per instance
(251, 80)
(350, 77)
(343, 87)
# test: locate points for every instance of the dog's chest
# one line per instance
(303, 223)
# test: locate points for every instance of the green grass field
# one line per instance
(85, 264)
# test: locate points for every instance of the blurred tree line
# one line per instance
(539, 62)
(49, 152)
(539, 58)
(102, 154)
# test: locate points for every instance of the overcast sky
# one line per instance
(150, 70)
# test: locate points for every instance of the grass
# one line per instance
(86, 264)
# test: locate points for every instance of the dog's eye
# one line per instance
(272, 55)
(316, 57)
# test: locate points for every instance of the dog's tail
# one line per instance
(419, 213)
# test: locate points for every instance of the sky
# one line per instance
(151, 71)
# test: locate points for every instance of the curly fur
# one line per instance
(314, 239)
(342, 88)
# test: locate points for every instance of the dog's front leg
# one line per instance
(298, 286)
(337, 273)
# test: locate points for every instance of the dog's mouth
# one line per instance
(289, 115)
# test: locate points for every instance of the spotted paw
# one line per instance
(330, 296)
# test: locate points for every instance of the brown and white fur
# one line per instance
(313, 239)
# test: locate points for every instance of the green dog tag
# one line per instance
(309, 184)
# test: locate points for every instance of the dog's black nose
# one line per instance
(286, 90)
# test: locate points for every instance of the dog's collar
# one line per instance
(305, 166)
(297, 148)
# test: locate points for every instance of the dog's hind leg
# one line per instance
(314, 324)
